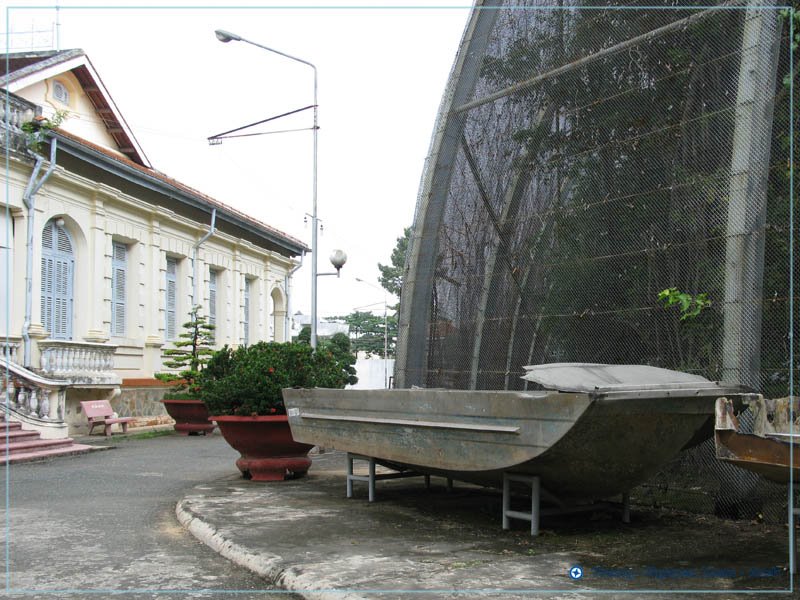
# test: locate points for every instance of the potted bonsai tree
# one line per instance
(188, 357)
(242, 390)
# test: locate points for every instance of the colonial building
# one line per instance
(103, 257)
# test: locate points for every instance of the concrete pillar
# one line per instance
(747, 206)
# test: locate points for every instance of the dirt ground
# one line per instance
(660, 549)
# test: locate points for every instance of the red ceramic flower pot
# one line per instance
(269, 453)
(191, 416)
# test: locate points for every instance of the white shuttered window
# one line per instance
(212, 300)
(248, 284)
(119, 276)
(171, 326)
(58, 266)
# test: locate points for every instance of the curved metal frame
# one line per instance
(447, 145)
(415, 302)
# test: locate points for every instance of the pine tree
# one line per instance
(189, 356)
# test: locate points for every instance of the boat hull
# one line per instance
(772, 450)
(580, 445)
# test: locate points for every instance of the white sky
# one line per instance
(381, 73)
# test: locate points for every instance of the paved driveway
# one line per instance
(88, 526)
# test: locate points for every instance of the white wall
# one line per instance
(372, 374)
(6, 268)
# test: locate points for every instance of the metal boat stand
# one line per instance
(536, 496)
(372, 477)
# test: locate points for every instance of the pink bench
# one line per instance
(99, 412)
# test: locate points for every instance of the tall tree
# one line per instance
(392, 275)
(369, 333)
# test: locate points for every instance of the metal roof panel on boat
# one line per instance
(597, 377)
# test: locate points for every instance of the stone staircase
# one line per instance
(17, 445)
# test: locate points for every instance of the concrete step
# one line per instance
(17, 435)
(33, 445)
(18, 445)
(43, 454)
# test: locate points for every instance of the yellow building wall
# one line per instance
(96, 215)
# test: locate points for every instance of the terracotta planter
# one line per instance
(191, 416)
(269, 453)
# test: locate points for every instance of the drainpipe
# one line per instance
(29, 199)
(288, 318)
(199, 243)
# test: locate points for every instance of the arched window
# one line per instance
(58, 268)
(278, 316)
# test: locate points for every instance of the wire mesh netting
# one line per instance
(586, 158)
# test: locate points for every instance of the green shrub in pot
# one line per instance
(247, 381)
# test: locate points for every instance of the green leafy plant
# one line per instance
(189, 356)
(304, 337)
(248, 381)
(690, 305)
(37, 129)
(391, 278)
(339, 348)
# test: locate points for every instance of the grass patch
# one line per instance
(147, 435)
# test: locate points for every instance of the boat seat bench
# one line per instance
(100, 412)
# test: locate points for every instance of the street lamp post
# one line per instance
(226, 36)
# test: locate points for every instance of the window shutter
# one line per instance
(47, 292)
(212, 297)
(172, 297)
(246, 316)
(212, 301)
(63, 245)
(57, 275)
(63, 300)
(47, 236)
(118, 292)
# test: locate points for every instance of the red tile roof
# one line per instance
(17, 66)
(211, 202)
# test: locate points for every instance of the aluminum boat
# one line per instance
(593, 431)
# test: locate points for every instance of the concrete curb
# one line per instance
(307, 538)
(269, 566)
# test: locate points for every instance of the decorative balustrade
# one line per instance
(38, 398)
(9, 348)
(16, 111)
(78, 362)
(27, 394)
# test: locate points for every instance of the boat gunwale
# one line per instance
(412, 423)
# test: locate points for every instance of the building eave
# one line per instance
(161, 184)
(78, 63)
